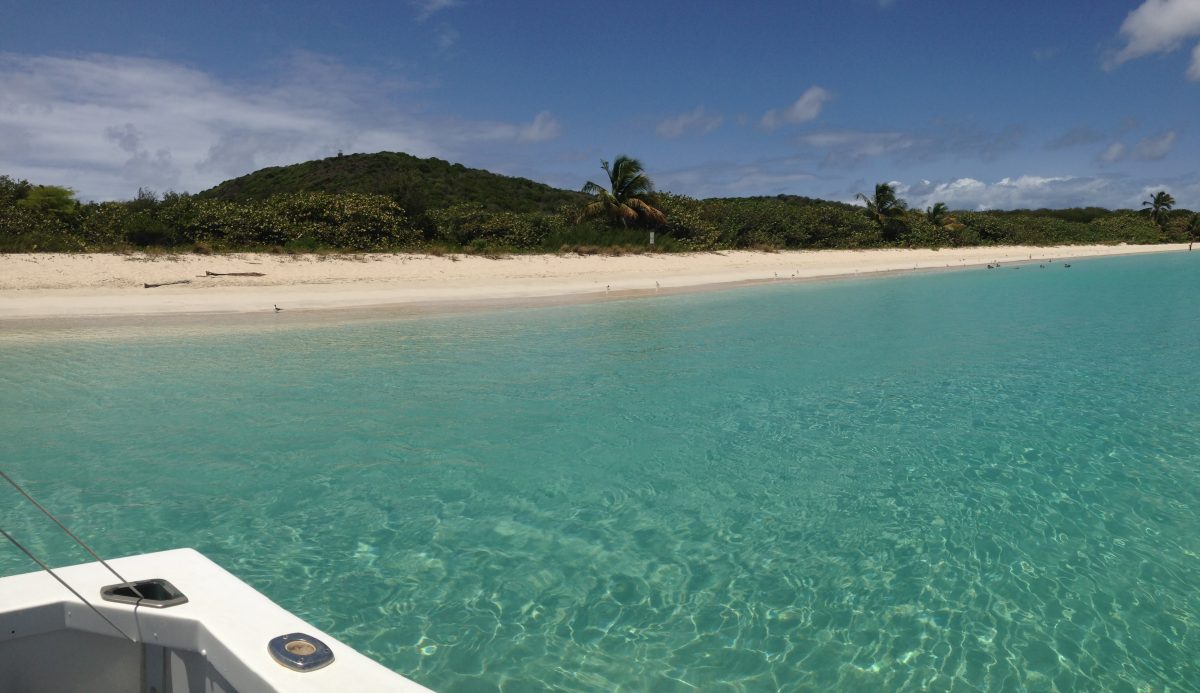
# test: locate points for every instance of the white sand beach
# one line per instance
(60, 286)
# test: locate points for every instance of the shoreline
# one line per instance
(55, 289)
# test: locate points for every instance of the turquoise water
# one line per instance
(983, 480)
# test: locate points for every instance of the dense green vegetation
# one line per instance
(417, 185)
(337, 205)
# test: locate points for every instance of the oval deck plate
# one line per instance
(300, 652)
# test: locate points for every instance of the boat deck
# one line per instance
(217, 641)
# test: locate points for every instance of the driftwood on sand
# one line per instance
(209, 274)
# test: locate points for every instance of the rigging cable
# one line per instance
(64, 583)
(79, 541)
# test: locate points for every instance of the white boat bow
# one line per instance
(218, 641)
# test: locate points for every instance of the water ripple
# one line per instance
(956, 482)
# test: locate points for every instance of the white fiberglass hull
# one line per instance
(216, 642)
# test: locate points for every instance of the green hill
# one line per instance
(416, 184)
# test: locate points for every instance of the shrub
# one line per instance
(1126, 227)
(472, 226)
(144, 230)
(103, 225)
(922, 233)
(28, 229)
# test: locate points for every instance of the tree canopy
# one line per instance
(1158, 207)
(629, 196)
(49, 198)
(886, 209)
(418, 185)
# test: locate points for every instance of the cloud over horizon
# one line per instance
(107, 125)
(1038, 192)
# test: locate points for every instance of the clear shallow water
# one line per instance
(987, 480)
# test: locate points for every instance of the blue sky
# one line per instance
(978, 104)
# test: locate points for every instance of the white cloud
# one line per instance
(427, 8)
(847, 148)
(1053, 192)
(806, 108)
(788, 176)
(1148, 149)
(851, 146)
(543, 128)
(1149, 190)
(695, 121)
(725, 179)
(1022, 192)
(1193, 72)
(107, 125)
(1159, 26)
(1114, 153)
(1155, 148)
(446, 38)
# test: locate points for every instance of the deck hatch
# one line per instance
(156, 593)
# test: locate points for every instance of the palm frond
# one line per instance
(646, 210)
(592, 209)
(626, 212)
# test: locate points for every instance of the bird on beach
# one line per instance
(277, 308)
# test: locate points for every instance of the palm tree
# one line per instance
(886, 209)
(1159, 206)
(938, 214)
(628, 196)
